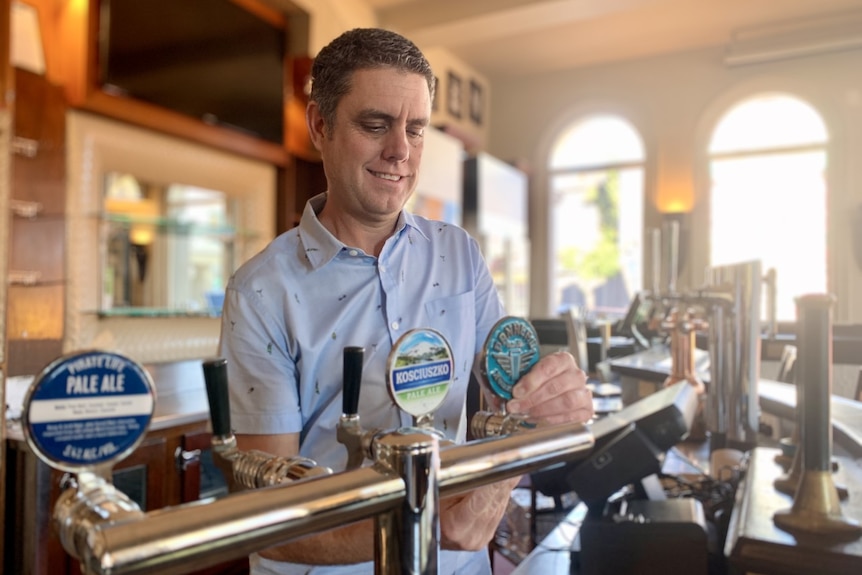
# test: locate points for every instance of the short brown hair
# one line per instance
(361, 49)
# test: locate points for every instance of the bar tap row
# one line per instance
(395, 476)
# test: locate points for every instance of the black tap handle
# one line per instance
(353, 357)
(215, 377)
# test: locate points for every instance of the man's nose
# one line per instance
(396, 148)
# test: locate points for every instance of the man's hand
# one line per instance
(469, 522)
(554, 391)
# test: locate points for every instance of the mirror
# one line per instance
(168, 249)
(162, 329)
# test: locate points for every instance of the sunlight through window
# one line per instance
(768, 193)
(596, 203)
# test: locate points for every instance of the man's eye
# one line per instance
(416, 133)
(375, 128)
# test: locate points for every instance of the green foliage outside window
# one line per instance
(603, 261)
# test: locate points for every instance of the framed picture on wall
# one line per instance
(453, 95)
(476, 102)
(434, 101)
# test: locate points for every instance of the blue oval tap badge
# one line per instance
(88, 409)
(420, 371)
(511, 350)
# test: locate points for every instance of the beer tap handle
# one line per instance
(215, 378)
(353, 358)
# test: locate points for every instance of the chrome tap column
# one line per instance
(406, 539)
(720, 330)
(670, 232)
(735, 354)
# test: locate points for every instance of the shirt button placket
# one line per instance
(391, 293)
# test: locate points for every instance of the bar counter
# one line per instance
(553, 555)
(753, 542)
(181, 401)
(776, 398)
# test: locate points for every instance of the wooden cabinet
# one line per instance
(72, 48)
(299, 182)
(36, 262)
(165, 470)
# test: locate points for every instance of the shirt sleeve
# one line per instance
(262, 376)
(489, 306)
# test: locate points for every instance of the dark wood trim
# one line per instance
(160, 119)
(190, 475)
(263, 11)
(77, 32)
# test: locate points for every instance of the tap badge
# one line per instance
(88, 409)
(420, 371)
(511, 350)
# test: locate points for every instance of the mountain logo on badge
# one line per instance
(511, 350)
(420, 371)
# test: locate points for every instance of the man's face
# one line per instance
(371, 156)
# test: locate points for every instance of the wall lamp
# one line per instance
(26, 50)
(670, 242)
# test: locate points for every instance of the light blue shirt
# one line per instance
(292, 309)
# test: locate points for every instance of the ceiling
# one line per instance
(509, 38)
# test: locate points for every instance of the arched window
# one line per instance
(596, 179)
(768, 193)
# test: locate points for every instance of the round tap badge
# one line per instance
(88, 409)
(511, 350)
(420, 371)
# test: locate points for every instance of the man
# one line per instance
(360, 271)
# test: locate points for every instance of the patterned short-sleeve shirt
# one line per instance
(292, 309)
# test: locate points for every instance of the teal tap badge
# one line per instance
(420, 371)
(511, 350)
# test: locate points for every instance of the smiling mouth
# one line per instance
(390, 177)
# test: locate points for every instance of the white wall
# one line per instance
(675, 101)
(329, 18)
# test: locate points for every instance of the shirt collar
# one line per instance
(321, 246)
(408, 219)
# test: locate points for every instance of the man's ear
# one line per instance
(315, 124)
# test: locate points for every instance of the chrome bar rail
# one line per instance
(193, 536)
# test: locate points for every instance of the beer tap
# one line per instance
(682, 326)
(511, 350)
(89, 410)
(83, 414)
(733, 295)
(246, 469)
(349, 431)
(419, 374)
(485, 424)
